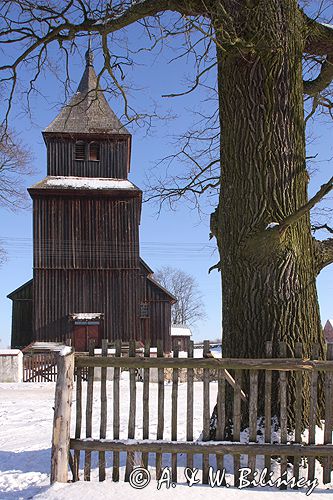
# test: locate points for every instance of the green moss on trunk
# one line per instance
(268, 283)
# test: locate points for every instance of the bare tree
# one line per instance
(15, 160)
(189, 308)
(269, 259)
(14, 165)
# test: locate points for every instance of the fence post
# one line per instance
(62, 418)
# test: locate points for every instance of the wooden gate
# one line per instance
(41, 367)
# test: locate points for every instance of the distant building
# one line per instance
(182, 334)
(328, 330)
(89, 282)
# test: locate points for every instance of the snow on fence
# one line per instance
(106, 415)
(11, 365)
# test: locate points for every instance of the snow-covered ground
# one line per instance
(25, 434)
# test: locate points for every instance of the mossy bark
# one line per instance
(268, 278)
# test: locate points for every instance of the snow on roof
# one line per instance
(86, 316)
(84, 183)
(44, 346)
(180, 330)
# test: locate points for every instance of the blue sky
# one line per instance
(178, 238)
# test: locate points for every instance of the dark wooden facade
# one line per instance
(22, 316)
(114, 156)
(86, 233)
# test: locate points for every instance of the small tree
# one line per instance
(189, 307)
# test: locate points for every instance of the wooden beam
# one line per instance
(280, 364)
(211, 447)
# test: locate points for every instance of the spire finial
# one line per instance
(89, 54)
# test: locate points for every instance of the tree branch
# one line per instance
(323, 253)
(293, 218)
(319, 41)
(319, 37)
(314, 87)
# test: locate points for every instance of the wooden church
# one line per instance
(89, 281)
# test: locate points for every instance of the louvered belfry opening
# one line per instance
(94, 151)
(80, 150)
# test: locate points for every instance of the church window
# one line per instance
(94, 151)
(80, 150)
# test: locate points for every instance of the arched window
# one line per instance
(80, 150)
(94, 151)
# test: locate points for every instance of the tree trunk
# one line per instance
(268, 278)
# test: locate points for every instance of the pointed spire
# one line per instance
(89, 54)
(88, 111)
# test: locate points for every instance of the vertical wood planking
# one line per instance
(89, 407)
(268, 405)
(220, 425)
(145, 404)
(253, 411)
(189, 405)
(132, 412)
(206, 413)
(174, 411)
(160, 408)
(237, 421)
(78, 421)
(328, 416)
(298, 407)
(102, 431)
(283, 411)
(313, 412)
(116, 377)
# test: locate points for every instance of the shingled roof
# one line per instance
(88, 111)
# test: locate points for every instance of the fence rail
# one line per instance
(99, 413)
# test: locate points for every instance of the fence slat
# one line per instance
(189, 405)
(174, 411)
(237, 422)
(160, 409)
(298, 408)
(268, 405)
(328, 416)
(89, 408)
(283, 411)
(78, 421)
(145, 404)
(102, 430)
(313, 412)
(253, 412)
(220, 424)
(116, 377)
(206, 413)
(132, 412)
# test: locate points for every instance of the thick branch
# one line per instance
(319, 38)
(314, 87)
(293, 218)
(146, 8)
(319, 41)
(323, 253)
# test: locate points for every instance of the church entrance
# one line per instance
(86, 327)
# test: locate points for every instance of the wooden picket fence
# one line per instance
(64, 443)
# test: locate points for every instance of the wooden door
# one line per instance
(83, 333)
